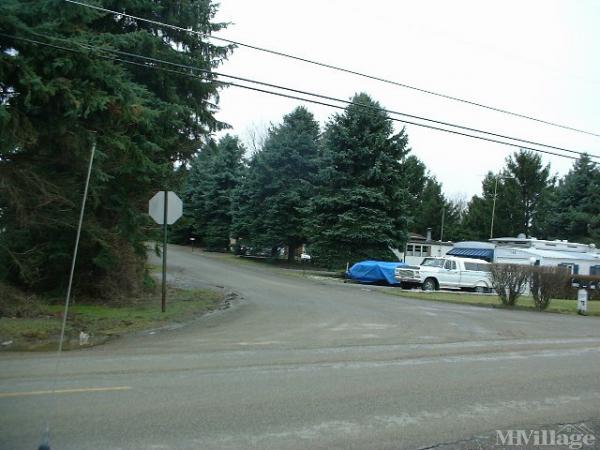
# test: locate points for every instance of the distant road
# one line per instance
(305, 363)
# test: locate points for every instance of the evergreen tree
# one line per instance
(181, 231)
(54, 103)
(454, 216)
(279, 185)
(360, 209)
(478, 218)
(529, 184)
(428, 212)
(414, 176)
(196, 188)
(225, 174)
(576, 211)
(523, 192)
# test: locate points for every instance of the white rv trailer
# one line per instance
(582, 259)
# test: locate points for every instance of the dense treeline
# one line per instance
(54, 104)
(349, 190)
(530, 200)
(353, 190)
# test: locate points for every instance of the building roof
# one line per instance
(474, 244)
(477, 253)
(543, 244)
(555, 254)
(415, 238)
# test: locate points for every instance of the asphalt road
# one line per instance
(308, 363)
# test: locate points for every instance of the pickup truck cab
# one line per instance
(447, 272)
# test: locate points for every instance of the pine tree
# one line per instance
(428, 212)
(523, 192)
(360, 209)
(414, 176)
(528, 183)
(196, 189)
(454, 216)
(478, 219)
(54, 103)
(279, 185)
(576, 211)
(225, 174)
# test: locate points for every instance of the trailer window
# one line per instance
(418, 250)
(477, 267)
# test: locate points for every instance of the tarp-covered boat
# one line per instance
(374, 271)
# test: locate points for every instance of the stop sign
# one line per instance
(156, 207)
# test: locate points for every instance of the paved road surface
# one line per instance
(307, 363)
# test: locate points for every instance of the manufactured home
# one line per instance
(582, 259)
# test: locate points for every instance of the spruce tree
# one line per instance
(576, 211)
(524, 188)
(55, 102)
(360, 209)
(225, 172)
(279, 184)
(428, 211)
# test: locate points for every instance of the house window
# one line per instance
(595, 270)
(418, 250)
(573, 268)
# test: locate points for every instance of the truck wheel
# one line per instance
(429, 285)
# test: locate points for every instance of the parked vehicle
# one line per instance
(447, 273)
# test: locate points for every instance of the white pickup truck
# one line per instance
(447, 272)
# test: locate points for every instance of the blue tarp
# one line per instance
(374, 271)
(486, 254)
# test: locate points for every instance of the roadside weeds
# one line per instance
(525, 303)
(95, 323)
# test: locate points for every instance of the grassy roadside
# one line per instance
(492, 301)
(103, 321)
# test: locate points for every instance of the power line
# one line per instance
(188, 74)
(321, 96)
(326, 97)
(340, 69)
(402, 121)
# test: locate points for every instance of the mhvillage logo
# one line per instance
(569, 436)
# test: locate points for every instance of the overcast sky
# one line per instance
(539, 58)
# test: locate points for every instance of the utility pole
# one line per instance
(494, 208)
(442, 230)
(494, 203)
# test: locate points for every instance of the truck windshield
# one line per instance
(431, 262)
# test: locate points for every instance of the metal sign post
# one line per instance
(163, 301)
(165, 208)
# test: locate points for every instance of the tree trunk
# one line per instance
(291, 252)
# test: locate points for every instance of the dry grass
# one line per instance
(524, 302)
